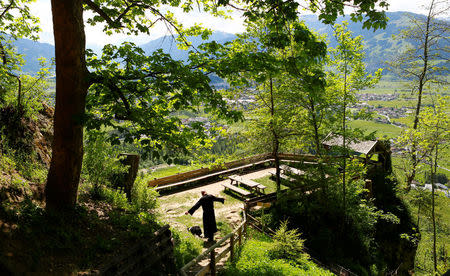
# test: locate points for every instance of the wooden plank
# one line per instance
(233, 165)
(232, 248)
(236, 189)
(211, 175)
(203, 271)
(223, 253)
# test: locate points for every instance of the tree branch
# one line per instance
(99, 11)
(7, 8)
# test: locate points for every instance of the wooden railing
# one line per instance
(155, 254)
(256, 159)
(205, 171)
(239, 233)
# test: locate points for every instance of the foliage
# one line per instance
(162, 86)
(101, 162)
(16, 144)
(187, 247)
(288, 244)
(64, 242)
(423, 258)
(320, 217)
(143, 197)
(438, 178)
(421, 65)
(432, 131)
(16, 21)
(254, 259)
(346, 76)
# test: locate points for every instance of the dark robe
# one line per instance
(209, 218)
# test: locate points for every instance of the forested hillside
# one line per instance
(379, 44)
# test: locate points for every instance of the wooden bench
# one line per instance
(238, 180)
(282, 175)
(287, 169)
(236, 189)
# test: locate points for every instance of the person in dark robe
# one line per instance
(209, 218)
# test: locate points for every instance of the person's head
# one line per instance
(203, 193)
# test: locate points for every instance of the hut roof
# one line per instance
(363, 147)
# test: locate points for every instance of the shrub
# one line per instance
(288, 244)
(116, 197)
(144, 198)
(100, 161)
(187, 247)
(254, 259)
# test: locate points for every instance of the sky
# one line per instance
(95, 37)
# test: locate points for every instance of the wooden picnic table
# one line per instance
(240, 191)
(287, 169)
(239, 180)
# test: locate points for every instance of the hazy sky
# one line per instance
(95, 35)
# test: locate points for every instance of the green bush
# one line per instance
(288, 244)
(255, 259)
(116, 197)
(187, 247)
(143, 197)
(100, 161)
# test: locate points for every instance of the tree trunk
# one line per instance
(315, 126)
(344, 143)
(71, 89)
(422, 81)
(276, 141)
(433, 216)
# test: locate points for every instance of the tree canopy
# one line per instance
(177, 85)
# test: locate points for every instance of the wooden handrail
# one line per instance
(210, 250)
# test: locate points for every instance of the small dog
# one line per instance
(195, 230)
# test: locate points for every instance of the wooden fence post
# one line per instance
(213, 263)
(245, 229)
(240, 236)
(232, 248)
(132, 160)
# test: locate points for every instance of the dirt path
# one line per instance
(228, 215)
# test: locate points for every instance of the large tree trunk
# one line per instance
(71, 88)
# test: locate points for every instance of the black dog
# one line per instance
(195, 230)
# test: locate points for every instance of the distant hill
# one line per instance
(169, 45)
(380, 46)
(33, 50)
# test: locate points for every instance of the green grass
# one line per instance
(382, 130)
(254, 259)
(171, 170)
(424, 257)
(403, 120)
(387, 87)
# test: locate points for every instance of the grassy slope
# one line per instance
(382, 130)
(254, 259)
(424, 257)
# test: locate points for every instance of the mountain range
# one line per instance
(379, 44)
